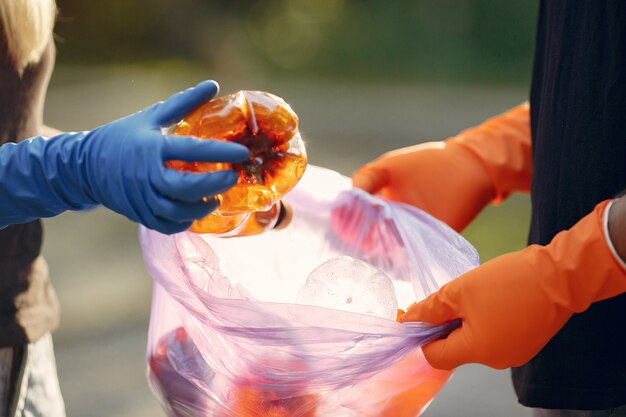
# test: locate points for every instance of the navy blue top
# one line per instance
(578, 118)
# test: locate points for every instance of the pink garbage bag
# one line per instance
(228, 339)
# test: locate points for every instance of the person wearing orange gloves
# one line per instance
(553, 311)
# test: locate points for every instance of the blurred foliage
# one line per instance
(465, 40)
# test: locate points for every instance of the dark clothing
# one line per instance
(578, 118)
(28, 305)
(613, 412)
(19, 247)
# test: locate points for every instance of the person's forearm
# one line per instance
(455, 179)
(514, 304)
(119, 165)
(503, 145)
(36, 181)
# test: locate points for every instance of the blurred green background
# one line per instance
(364, 76)
(358, 40)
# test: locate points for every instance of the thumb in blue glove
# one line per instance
(119, 165)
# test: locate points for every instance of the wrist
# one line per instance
(69, 158)
(614, 224)
(502, 145)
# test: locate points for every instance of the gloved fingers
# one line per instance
(190, 149)
(181, 211)
(177, 106)
(370, 178)
(450, 352)
(192, 187)
(431, 310)
(169, 227)
(149, 218)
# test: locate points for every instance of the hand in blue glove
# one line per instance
(119, 165)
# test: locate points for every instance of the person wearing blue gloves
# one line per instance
(119, 165)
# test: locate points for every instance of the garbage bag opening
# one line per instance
(228, 337)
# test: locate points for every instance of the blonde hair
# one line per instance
(28, 26)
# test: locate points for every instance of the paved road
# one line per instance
(96, 263)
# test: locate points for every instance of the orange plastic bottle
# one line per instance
(254, 396)
(269, 128)
(246, 400)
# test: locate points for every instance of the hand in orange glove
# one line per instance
(511, 306)
(455, 179)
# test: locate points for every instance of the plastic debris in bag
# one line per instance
(228, 338)
(349, 284)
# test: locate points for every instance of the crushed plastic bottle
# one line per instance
(176, 355)
(252, 399)
(349, 284)
(269, 128)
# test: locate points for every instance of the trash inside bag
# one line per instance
(349, 284)
(300, 322)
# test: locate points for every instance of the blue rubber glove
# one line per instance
(119, 165)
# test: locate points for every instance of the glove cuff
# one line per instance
(583, 263)
(502, 144)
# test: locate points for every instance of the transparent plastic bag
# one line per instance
(227, 338)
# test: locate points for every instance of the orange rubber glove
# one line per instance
(511, 306)
(455, 179)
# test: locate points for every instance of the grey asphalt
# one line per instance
(96, 263)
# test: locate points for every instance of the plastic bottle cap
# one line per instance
(285, 216)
